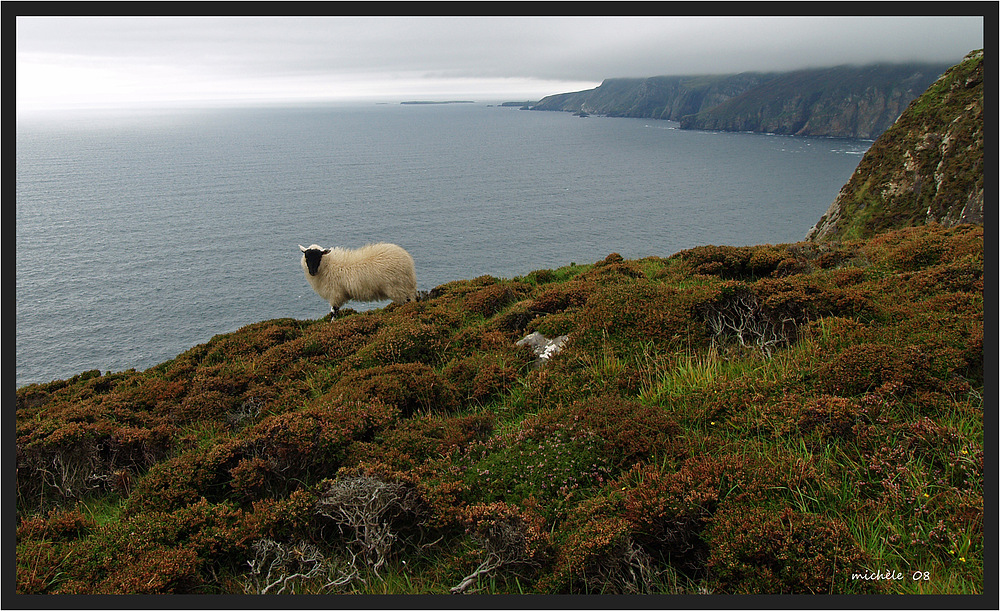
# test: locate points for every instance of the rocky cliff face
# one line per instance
(846, 101)
(926, 168)
(658, 97)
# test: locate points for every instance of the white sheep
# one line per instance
(370, 273)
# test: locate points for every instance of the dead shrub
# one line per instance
(373, 515)
(511, 539)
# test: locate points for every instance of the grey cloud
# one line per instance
(548, 49)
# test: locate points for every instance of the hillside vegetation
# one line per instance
(787, 419)
(782, 419)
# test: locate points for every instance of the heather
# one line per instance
(797, 418)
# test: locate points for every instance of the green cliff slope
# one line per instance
(927, 168)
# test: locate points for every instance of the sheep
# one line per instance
(370, 273)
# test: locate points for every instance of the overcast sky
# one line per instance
(135, 61)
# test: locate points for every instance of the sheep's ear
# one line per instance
(327, 251)
(302, 248)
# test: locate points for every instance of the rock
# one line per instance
(543, 347)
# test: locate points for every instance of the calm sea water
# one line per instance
(141, 236)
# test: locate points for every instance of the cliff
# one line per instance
(926, 168)
(844, 101)
(659, 97)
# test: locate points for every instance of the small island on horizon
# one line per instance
(437, 102)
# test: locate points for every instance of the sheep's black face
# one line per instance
(313, 257)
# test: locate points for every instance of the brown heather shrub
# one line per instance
(286, 449)
(320, 343)
(482, 377)
(926, 369)
(470, 339)
(729, 399)
(547, 387)
(595, 553)
(345, 335)
(927, 437)
(862, 368)
(495, 341)
(185, 479)
(205, 405)
(406, 340)
(131, 399)
(270, 458)
(667, 512)
(572, 294)
(483, 295)
(613, 268)
(962, 276)
(101, 385)
(513, 322)
(942, 327)
(38, 565)
(158, 553)
(973, 353)
(640, 312)
(252, 340)
(59, 458)
(825, 294)
(741, 262)
(756, 550)
(554, 325)
(541, 276)
(228, 378)
(886, 474)
(409, 387)
(35, 396)
(61, 524)
(832, 418)
(913, 248)
(426, 438)
(138, 448)
(902, 460)
(627, 430)
(31, 397)
(490, 300)
(289, 360)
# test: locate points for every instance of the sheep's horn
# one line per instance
(302, 248)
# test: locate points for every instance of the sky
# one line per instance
(109, 62)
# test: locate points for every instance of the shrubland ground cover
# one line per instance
(800, 418)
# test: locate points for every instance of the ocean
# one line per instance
(141, 235)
